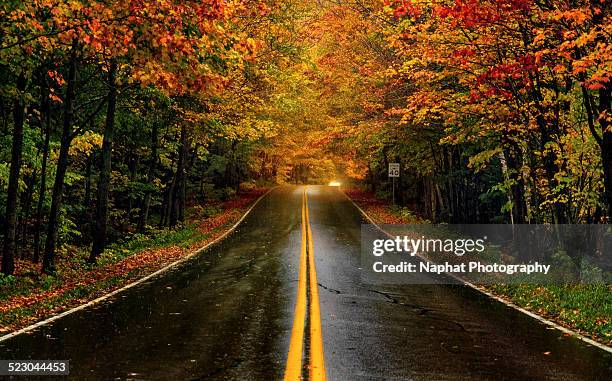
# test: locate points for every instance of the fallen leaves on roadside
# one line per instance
(88, 284)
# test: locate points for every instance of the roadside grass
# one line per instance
(154, 239)
(29, 296)
(74, 260)
(584, 308)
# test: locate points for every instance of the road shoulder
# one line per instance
(23, 313)
(377, 212)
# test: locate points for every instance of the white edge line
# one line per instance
(137, 282)
(495, 297)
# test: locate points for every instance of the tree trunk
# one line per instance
(605, 110)
(133, 163)
(550, 168)
(88, 174)
(515, 163)
(8, 260)
(25, 212)
(46, 109)
(48, 266)
(88, 212)
(167, 199)
(171, 214)
(100, 231)
(146, 204)
(182, 178)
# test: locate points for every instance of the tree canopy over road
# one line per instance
(116, 116)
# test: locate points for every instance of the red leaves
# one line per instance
(467, 52)
(374, 207)
(503, 79)
(595, 86)
(470, 13)
(403, 8)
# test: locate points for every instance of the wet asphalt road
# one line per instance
(227, 314)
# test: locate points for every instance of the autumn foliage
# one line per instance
(499, 111)
(109, 108)
(120, 115)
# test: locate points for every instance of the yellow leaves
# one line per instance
(479, 161)
(250, 47)
(75, 6)
(584, 39)
(390, 72)
(84, 144)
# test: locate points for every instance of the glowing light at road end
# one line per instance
(334, 184)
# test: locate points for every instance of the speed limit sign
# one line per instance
(394, 170)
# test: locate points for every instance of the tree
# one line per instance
(8, 265)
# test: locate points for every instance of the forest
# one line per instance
(120, 116)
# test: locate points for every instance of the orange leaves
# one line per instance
(248, 48)
(176, 39)
(182, 38)
(580, 66)
(59, 81)
(578, 16)
(56, 77)
(54, 97)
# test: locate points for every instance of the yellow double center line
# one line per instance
(307, 285)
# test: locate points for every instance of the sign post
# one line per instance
(394, 172)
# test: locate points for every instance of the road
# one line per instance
(246, 309)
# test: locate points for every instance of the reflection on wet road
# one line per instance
(228, 314)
